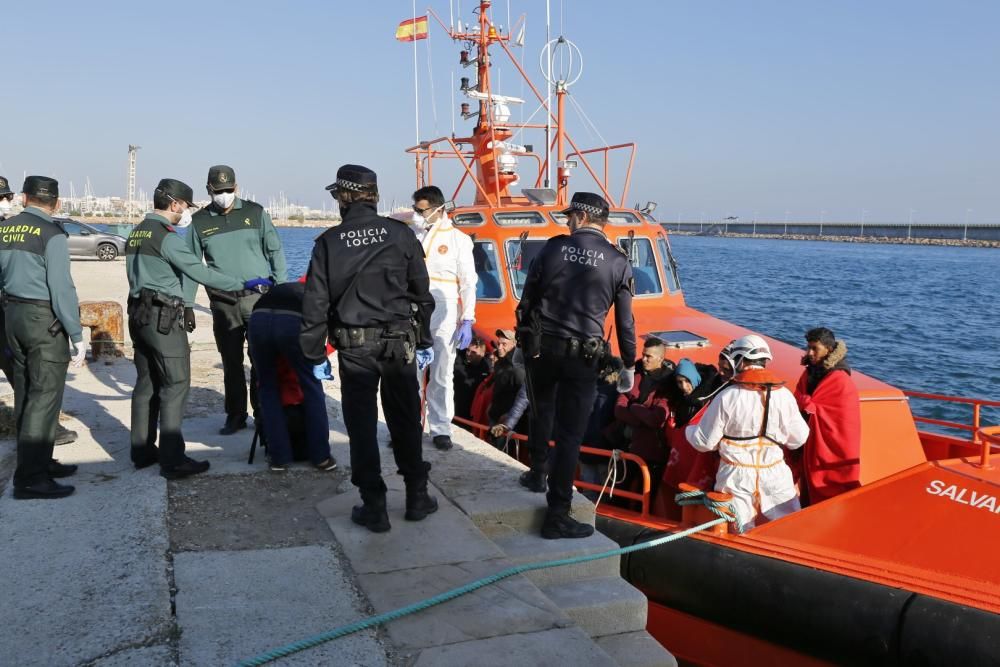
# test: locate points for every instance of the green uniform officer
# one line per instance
(160, 271)
(42, 329)
(6, 364)
(63, 435)
(236, 237)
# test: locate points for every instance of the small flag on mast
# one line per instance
(412, 29)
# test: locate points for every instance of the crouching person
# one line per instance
(750, 422)
(275, 325)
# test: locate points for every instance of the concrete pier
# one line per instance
(133, 569)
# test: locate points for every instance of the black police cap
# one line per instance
(221, 177)
(589, 203)
(5, 187)
(177, 190)
(41, 186)
(354, 177)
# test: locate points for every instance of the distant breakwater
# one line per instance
(970, 236)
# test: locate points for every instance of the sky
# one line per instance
(767, 109)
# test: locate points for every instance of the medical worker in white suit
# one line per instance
(452, 270)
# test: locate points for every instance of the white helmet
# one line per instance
(751, 348)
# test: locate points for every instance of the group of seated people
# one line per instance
(668, 420)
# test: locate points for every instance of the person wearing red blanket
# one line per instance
(828, 399)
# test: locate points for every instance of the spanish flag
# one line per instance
(412, 29)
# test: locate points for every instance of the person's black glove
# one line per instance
(189, 319)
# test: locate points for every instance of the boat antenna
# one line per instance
(548, 100)
(416, 94)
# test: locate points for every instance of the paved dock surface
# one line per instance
(135, 570)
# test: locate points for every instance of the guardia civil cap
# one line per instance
(221, 177)
(5, 187)
(41, 186)
(589, 203)
(177, 190)
(354, 177)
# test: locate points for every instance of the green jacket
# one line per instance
(242, 243)
(34, 264)
(157, 259)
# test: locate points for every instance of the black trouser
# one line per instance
(361, 370)
(163, 379)
(229, 324)
(39, 368)
(6, 356)
(563, 389)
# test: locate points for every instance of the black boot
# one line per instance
(533, 480)
(561, 524)
(143, 457)
(233, 424)
(372, 514)
(419, 503)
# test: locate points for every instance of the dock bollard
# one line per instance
(107, 327)
(693, 515)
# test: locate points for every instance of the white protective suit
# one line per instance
(752, 470)
(452, 271)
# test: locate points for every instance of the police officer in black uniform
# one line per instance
(367, 290)
(42, 316)
(571, 285)
(160, 269)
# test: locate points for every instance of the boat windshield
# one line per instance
(669, 263)
(640, 253)
(519, 257)
(489, 287)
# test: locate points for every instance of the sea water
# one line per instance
(923, 318)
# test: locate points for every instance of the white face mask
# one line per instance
(419, 220)
(185, 219)
(224, 199)
(5, 205)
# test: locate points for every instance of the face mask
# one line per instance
(5, 205)
(224, 199)
(185, 219)
(419, 220)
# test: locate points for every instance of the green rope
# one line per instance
(380, 619)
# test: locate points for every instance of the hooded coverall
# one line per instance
(452, 272)
(753, 468)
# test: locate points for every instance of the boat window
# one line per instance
(622, 218)
(519, 257)
(614, 217)
(639, 250)
(489, 286)
(669, 264)
(467, 219)
(519, 219)
(679, 338)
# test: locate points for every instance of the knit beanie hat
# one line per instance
(686, 368)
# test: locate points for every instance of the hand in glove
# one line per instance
(261, 285)
(323, 371)
(425, 358)
(463, 336)
(626, 379)
(79, 354)
(189, 322)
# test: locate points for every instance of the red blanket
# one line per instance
(831, 460)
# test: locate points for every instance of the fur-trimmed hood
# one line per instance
(837, 358)
(835, 361)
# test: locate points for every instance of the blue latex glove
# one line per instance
(261, 285)
(323, 371)
(425, 358)
(463, 336)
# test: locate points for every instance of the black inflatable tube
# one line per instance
(830, 616)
